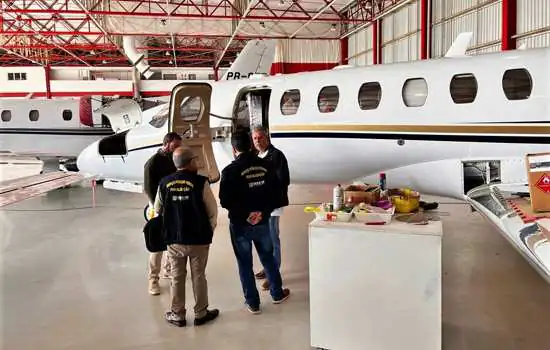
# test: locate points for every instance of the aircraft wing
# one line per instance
(506, 207)
(32, 186)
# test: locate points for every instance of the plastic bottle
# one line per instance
(338, 197)
(382, 183)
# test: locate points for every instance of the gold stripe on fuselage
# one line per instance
(433, 129)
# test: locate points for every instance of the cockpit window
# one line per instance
(190, 109)
(161, 117)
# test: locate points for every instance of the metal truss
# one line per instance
(182, 33)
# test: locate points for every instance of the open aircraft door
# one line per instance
(190, 118)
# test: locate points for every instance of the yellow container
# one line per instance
(405, 204)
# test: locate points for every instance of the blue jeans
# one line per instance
(274, 232)
(242, 238)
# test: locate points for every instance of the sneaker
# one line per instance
(175, 319)
(260, 275)
(286, 295)
(255, 310)
(210, 315)
(154, 288)
(265, 285)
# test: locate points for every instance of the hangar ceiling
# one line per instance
(177, 33)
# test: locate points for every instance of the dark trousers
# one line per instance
(242, 238)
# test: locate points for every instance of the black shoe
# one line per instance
(175, 319)
(253, 309)
(286, 295)
(210, 315)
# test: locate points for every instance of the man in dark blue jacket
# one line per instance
(250, 191)
(189, 212)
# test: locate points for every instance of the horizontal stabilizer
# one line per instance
(460, 45)
(32, 186)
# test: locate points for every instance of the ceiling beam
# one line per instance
(236, 30)
(18, 55)
(98, 25)
(319, 13)
(54, 43)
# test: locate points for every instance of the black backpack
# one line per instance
(154, 236)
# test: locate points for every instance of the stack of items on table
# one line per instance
(371, 204)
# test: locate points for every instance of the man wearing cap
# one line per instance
(189, 211)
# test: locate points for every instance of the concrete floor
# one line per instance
(74, 277)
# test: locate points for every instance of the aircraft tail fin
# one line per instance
(255, 58)
(460, 45)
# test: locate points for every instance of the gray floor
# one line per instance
(74, 277)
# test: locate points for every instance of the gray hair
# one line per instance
(261, 129)
(182, 157)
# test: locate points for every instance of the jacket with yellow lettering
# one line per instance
(247, 185)
(183, 201)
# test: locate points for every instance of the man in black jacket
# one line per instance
(189, 213)
(157, 167)
(267, 151)
(249, 190)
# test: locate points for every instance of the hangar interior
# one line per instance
(74, 274)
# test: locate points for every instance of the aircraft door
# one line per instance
(251, 108)
(190, 118)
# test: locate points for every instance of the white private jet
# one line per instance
(67, 136)
(64, 127)
(255, 58)
(457, 127)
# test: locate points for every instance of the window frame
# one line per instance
(281, 104)
(70, 115)
(3, 113)
(319, 98)
(403, 92)
(509, 94)
(37, 115)
(379, 95)
(454, 97)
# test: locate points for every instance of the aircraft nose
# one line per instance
(87, 160)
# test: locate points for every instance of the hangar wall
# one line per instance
(292, 56)
(400, 31)
(533, 23)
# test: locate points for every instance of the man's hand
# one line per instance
(254, 217)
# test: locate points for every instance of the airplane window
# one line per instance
(161, 117)
(191, 108)
(6, 116)
(415, 92)
(33, 115)
(327, 101)
(517, 84)
(463, 88)
(67, 115)
(290, 101)
(369, 95)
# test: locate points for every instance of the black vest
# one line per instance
(184, 211)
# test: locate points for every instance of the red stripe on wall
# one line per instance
(288, 68)
(84, 93)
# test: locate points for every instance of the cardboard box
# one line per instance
(356, 194)
(538, 175)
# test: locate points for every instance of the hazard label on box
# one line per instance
(544, 183)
